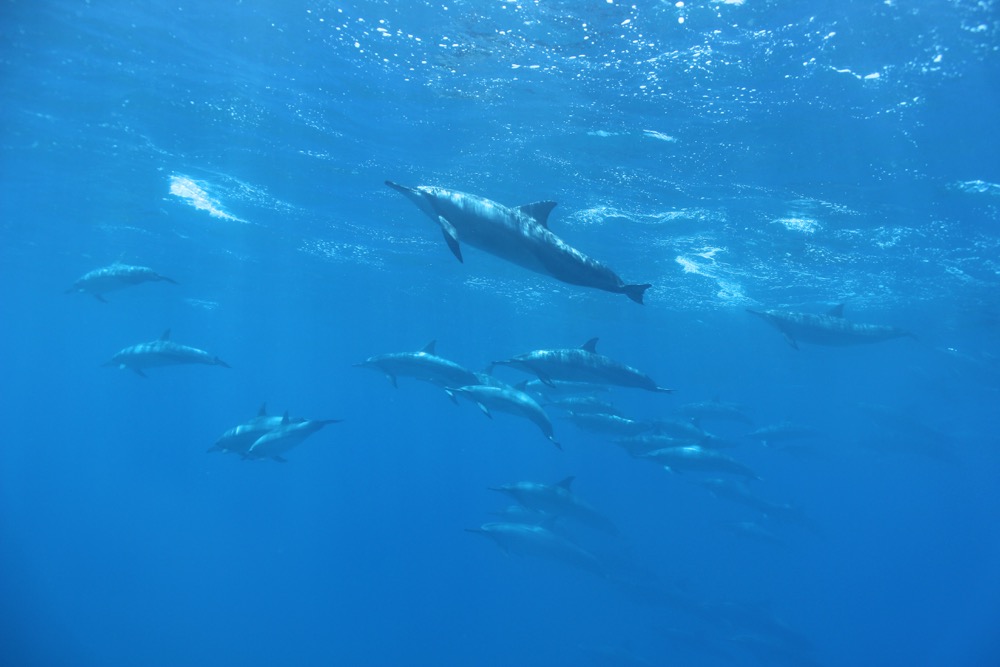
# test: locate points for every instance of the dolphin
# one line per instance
(599, 422)
(287, 435)
(538, 541)
(161, 352)
(582, 364)
(556, 388)
(520, 235)
(737, 492)
(115, 277)
(828, 329)
(510, 400)
(584, 405)
(695, 458)
(715, 410)
(239, 439)
(423, 365)
(782, 431)
(558, 500)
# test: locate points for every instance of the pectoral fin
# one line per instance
(486, 410)
(451, 237)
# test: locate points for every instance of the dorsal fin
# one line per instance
(263, 410)
(566, 483)
(429, 348)
(284, 418)
(166, 335)
(836, 311)
(590, 346)
(538, 210)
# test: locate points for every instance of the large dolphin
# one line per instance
(239, 439)
(115, 277)
(828, 329)
(540, 542)
(558, 500)
(519, 235)
(289, 434)
(161, 352)
(582, 364)
(423, 365)
(510, 400)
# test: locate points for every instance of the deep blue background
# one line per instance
(745, 157)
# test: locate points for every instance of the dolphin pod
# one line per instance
(520, 235)
(828, 329)
(161, 352)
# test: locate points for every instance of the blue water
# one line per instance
(736, 155)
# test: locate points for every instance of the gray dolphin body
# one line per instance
(598, 422)
(558, 500)
(289, 434)
(115, 277)
(424, 365)
(519, 235)
(510, 400)
(715, 410)
(582, 364)
(240, 439)
(540, 542)
(695, 458)
(161, 352)
(828, 329)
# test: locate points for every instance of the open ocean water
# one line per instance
(735, 154)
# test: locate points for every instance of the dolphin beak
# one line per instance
(400, 188)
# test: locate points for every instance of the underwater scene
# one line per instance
(500, 332)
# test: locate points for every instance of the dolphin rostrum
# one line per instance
(423, 365)
(114, 277)
(161, 352)
(582, 364)
(508, 399)
(520, 235)
(828, 329)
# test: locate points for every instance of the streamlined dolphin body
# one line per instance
(510, 400)
(423, 365)
(558, 500)
(695, 458)
(582, 364)
(239, 439)
(539, 542)
(161, 352)
(115, 277)
(828, 329)
(519, 235)
(289, 434)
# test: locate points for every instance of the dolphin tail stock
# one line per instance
(219, 362)
(166, 279)
(635, 292)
